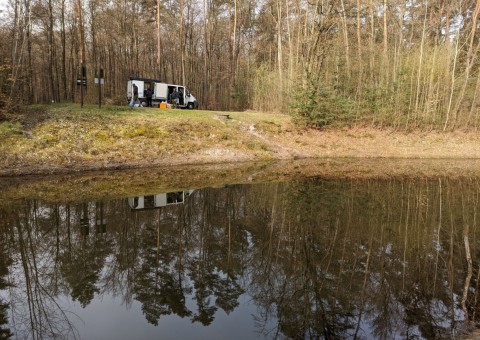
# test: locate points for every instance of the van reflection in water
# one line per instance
(158, 200)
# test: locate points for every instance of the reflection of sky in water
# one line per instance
(106, 318)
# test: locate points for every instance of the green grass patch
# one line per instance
(8, 129)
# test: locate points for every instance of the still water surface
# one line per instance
(334, 259)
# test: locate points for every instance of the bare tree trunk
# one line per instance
(371, 41)
(452, 85)
(182, 43)
(279, 44)
(206, 56)
(358, 92)
(385, 30)
(440, 220)
(420, 63)
(385, 59)
(159, 50)
(397, 59)
(64, 53)
(51, 53)
(468, 278)
(345, 36)
(232, 42)
(19, 28)
(474, 103)
(364, 289)
(471, 54)
(22, 64)
(94, 42)
(30, 74)
(359, 36)
(290, 47)
(82, 47)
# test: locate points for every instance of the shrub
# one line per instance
(317, 106)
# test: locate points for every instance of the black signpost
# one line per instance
(99, 81)
(82, 82)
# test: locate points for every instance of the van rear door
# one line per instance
(129, 90)
(141, 87)
(161, 91)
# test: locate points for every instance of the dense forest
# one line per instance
(402, 63)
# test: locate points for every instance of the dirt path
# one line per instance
(281, 150)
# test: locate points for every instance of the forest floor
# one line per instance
(66, 138)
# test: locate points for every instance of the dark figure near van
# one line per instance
(174, 96)
(180, 97)
(135, 93)
(148, 95)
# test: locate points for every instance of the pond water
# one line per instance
(305, 258)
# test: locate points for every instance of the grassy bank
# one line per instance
(63, 137)
(68, 138)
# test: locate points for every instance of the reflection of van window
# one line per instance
(135, 202)
(187, 93)
(149, 202)
(174, 197)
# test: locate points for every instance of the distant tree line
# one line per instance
(398, 63)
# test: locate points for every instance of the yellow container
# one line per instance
(163, 105)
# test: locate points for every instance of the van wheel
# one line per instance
(190, 106)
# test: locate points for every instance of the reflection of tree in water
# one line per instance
(157, 284)
(35, 283)
(5, 262)
(227, 292)
(291, 279)
(360, 259)
(5, 332)
(321, 259)
(160, 295)
(216, 269)
(213, 290)
(203, 295)
(83, 260)
(158, 259)
(171, 269)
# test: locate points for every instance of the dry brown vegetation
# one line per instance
(66, 138)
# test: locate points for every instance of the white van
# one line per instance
(161, 93)
(158, 200)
